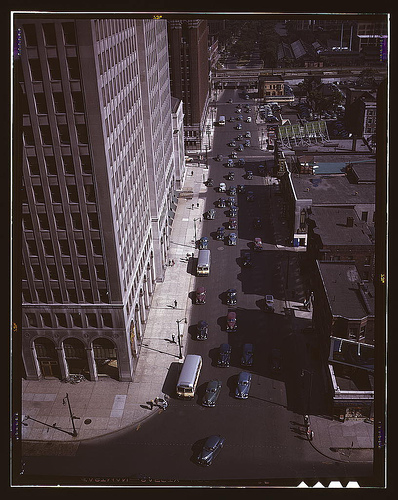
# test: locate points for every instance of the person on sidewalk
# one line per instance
(175, 304)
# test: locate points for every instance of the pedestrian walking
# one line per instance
(151, 404)
(191, 172)
(169, 262)
(173, 339)
(197, 205)
(175, 304)
(172, 262)
(193, 204)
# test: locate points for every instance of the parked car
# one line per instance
(231, 119)
(220, 233)
(222, 187)
(209, 182)
(232, 190)
(233, 154)
(231, 202)
(261, 169)
(232, 144)
(232, 239)
(231, 321)
(240, 188)
(250, 196)
(229, 100)
(233, 223)
(210, 214)
(239, 117)
(230, 162)
(248, 119)
(247, 96)
(238, 109)
(247, 355)
(231, 176)
(247, 259)
(219, 158)
(203, 243)
(269, 303)
(233, 211)
(240, 148)
(202, 330)
(221, 203)
(247, 144)
(212, 392)
(231, 297)
(210, 450)
(200, 295)
(248, 134)
(249, 174)
(238, 126)
(241, 162)
(243, 385)
(240, 137)
(258, 244)
(224, 356)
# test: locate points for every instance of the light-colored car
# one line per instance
(258, 244)
(232, 239)
(248, 119)
(269, 303)
(222, 187)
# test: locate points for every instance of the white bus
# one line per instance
(221, 120)
(203, 266)
(189, 376)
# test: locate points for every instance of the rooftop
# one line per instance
(346, 298)
(331, 225)
(332, 189)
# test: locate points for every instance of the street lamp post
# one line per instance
(194, 225)
(72, 417)
(179, 335)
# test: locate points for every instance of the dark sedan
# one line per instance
(247, 355)
(243, 385)
(202, 330)
(224, 356)
(231, 297)
(210, 450)
(212, 392)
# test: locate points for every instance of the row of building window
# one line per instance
(64, 248)
(69, 320)
(69, 296)
(49, 33)
(62, 131)
(56, 196)
(53, 69)
(59, 220)
(68, 165)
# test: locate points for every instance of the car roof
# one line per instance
(231, 314)
(211, 441)
(225, 347)
(244, 376)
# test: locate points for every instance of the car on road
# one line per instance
(230, 163)
(240, 188)
(233, 223)
(231, 297)
(248, 119)
(210, 182)
(250, 196)
(219, 158)
(210, 214)
(233, 155)
(200, 295)
(261, 169)
(231, 202)
(247, 259)
(232, 190)
(232, 239)
(221, 203)
(224, 356)
(258, 244)
(231, 321)
(243, 385)
(248, 134)
(211, 448)
(232, 144)
(239, 117)
(229, 100)
(233, 211)
(231, 119)
(238, 126)
(249, 175)
(247, 144)
(222, 187)
(239, 137)
(202, 330)
(203, 243)
(269, 303)
(240, 148)
(247, 96)
(212, 392)
(241, 162)
(247, 355)
(230, 176)
(220, 233)
(238, 109)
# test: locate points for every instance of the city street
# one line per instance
(265, 435)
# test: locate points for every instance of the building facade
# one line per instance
(190, 75)
(94, 105)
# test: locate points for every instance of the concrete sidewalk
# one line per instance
(109, 405)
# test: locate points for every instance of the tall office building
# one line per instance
(190, 75)
(94, 104)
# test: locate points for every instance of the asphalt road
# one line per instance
(264, 434)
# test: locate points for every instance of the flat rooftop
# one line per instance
(331, 225)
(332, 189)
(341, 286)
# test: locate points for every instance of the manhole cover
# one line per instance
(87, 421)
(220, 248)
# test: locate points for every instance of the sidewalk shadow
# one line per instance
(170, 382)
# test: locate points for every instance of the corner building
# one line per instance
(94, 108)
